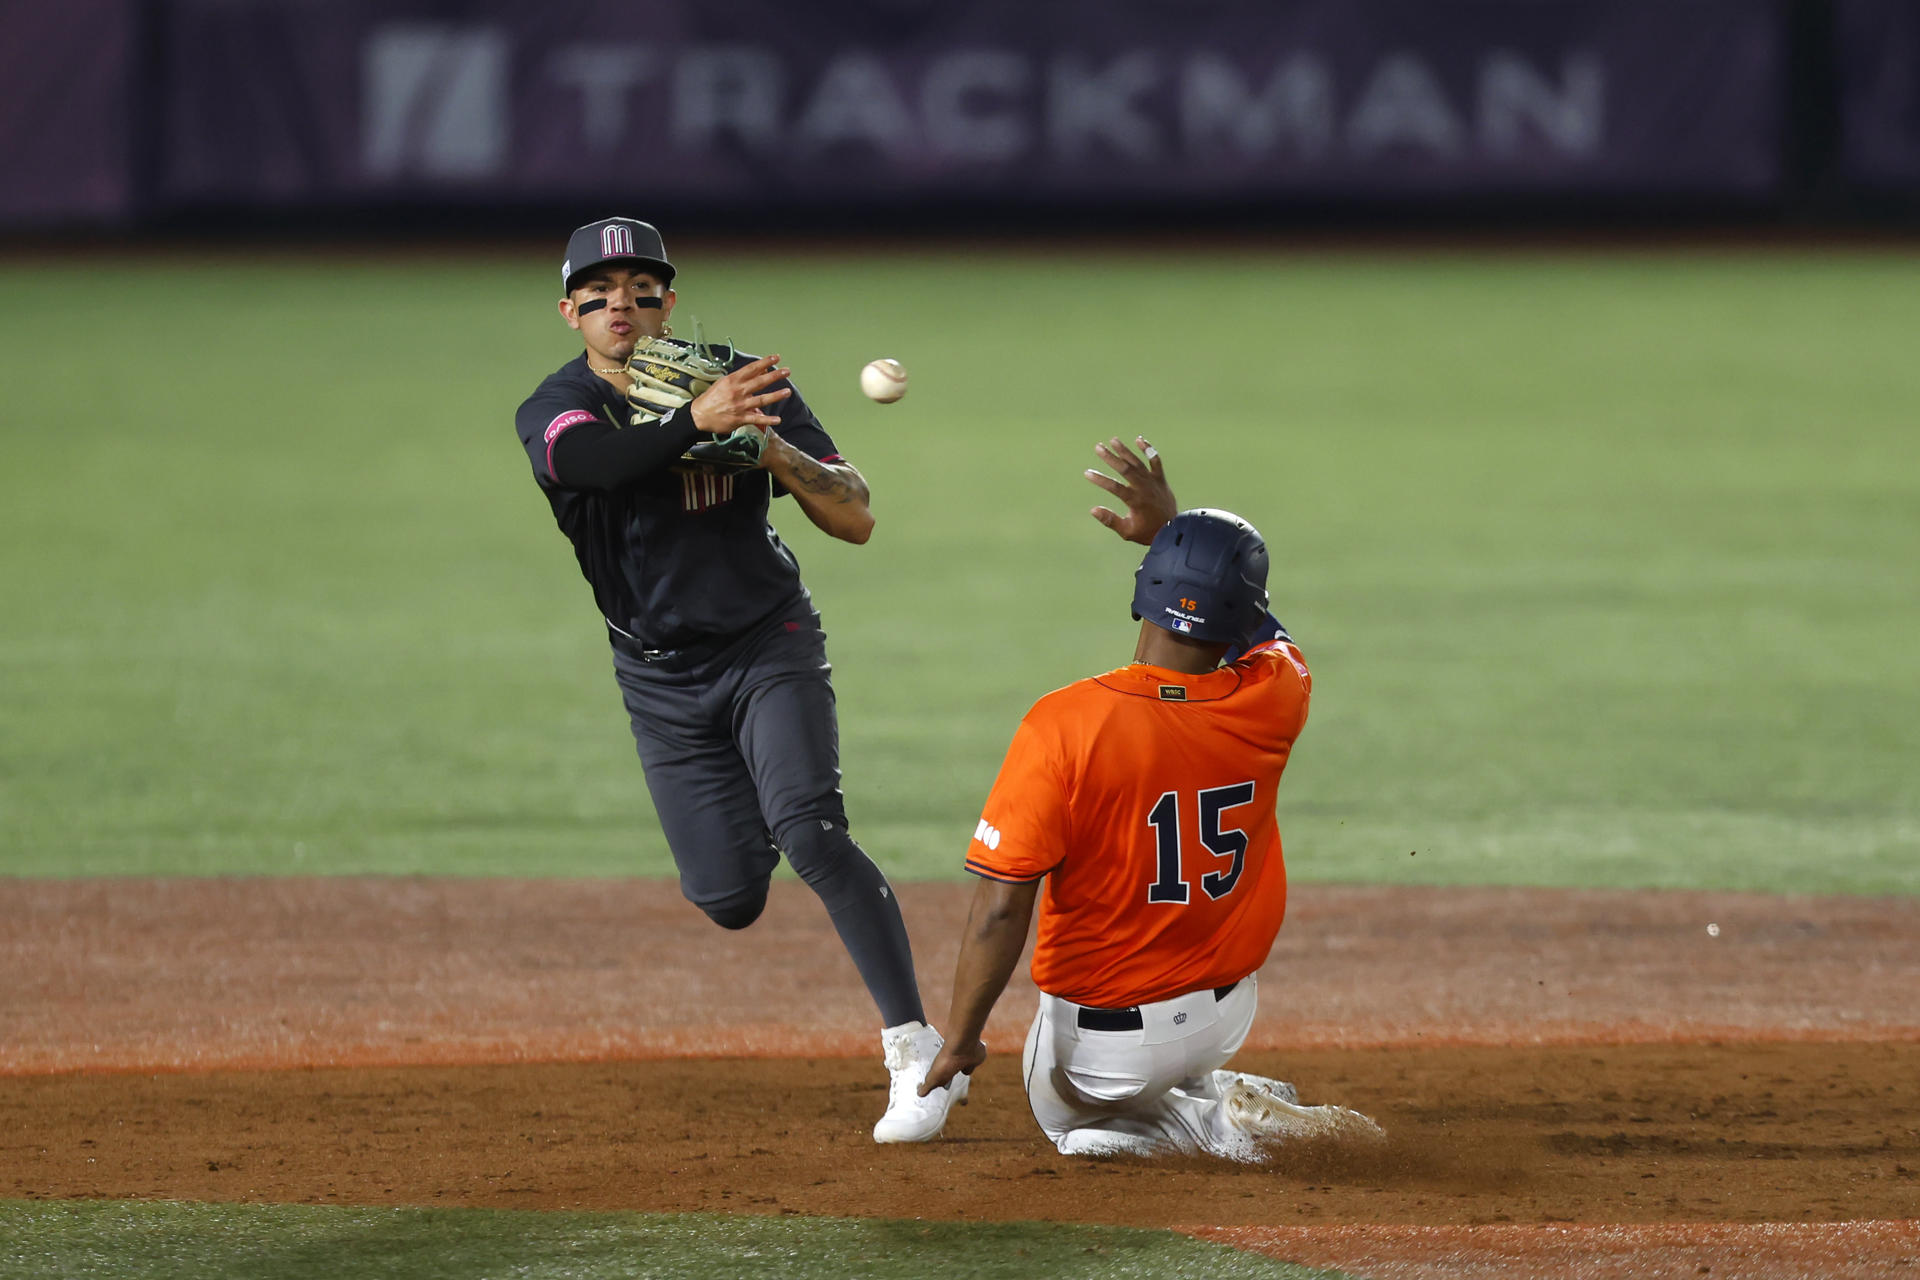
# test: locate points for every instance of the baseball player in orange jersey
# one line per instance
(1137, 808)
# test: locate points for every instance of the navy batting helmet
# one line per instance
(1205, 576)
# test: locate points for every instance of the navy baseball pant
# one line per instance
(741, 748)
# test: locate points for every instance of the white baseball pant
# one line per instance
(1147, 1091)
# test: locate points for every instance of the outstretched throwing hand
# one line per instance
(742, 398)
(1142, 488)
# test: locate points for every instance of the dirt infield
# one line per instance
(1565, 1076)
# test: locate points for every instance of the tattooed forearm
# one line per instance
(834, 497)
(829, 482)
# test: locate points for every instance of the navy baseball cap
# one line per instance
(614, 240)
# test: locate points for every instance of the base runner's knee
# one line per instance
(739, 910)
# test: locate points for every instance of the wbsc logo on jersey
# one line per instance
(987, 834)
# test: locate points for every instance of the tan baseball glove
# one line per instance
(665, 374)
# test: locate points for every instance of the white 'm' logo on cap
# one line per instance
(616, 241)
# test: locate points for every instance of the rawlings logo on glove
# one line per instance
(665, 374)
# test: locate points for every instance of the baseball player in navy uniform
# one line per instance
(717, 649)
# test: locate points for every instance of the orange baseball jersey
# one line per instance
(1146, 798)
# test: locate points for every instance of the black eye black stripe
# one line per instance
(592, 305)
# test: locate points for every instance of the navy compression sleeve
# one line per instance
(597, 457)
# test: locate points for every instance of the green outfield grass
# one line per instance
(77, 1240)
(1606, 564)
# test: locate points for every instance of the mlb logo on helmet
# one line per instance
(1178, 624)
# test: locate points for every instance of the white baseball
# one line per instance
(884, 380)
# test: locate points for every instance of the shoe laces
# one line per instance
(897, 1056)
(902, 1056)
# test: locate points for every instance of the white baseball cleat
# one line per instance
(1264, 1115)
(910, 1049)
(1280, 1089)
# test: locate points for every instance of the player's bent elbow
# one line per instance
(857, 531)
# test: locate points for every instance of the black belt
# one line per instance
(699, 651)
(1129, 1019)
(678, 659)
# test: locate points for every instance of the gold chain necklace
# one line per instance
(666, 331)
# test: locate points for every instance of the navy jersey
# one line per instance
(683, 554)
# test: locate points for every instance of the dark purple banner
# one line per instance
(67, 73)
(1005, 100)
(1878, 48)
